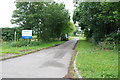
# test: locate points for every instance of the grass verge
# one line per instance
(92, 62)
(6, 48)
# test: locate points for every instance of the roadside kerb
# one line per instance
(75, 68)
(72, 66)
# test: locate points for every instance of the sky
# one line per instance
(8, 6)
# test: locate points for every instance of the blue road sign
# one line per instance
(26, 37)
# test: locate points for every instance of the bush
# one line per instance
(33, 43)
(20, 43)
(107, 45)
(24, 43)
(110, 42)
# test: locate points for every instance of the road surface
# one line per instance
(48, 63)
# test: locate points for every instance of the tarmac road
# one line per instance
(48, 63)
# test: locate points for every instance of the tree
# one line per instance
(98, 19)
(69, 29)
(8, 34)
(46, 19)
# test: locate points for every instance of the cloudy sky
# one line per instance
(7, 7)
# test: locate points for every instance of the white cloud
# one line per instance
(68, 5)
(8, 6)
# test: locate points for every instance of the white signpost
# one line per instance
(26, 34)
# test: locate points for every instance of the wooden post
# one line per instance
(15, 36)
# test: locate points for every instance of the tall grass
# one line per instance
(18, 47)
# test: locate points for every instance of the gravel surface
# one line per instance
(48, 63)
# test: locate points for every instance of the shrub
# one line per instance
(19, 43)
(24, 43)
(33, 43)
(107, 45)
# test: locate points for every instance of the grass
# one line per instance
(7, 48)
(71, 37)
(92, 62)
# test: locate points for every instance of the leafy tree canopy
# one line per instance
(98, 20)
(47, 19)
